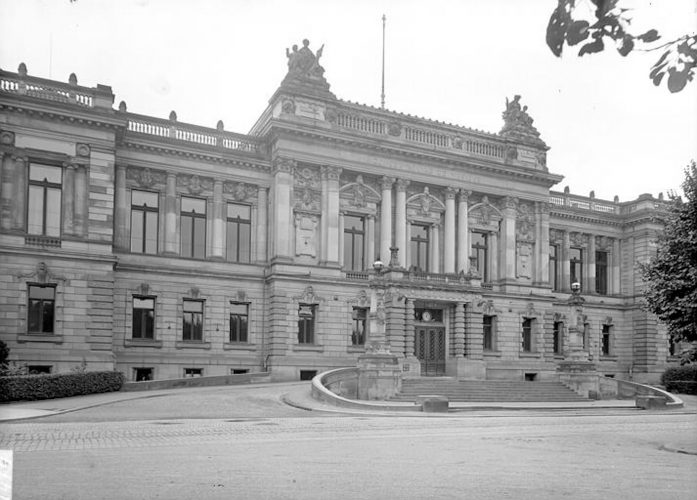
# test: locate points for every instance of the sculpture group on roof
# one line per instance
(302, 62)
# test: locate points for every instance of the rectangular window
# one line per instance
(239, 320)
(306, 323)
(558, 337)
(576, 265)
(39, 369)
(239, 232)
(419, 247)
(193, 372)
(527, 335)
(193, 228)
(359, 319)
(143, 318)
(354, 236)
(142, 374)
(489, 325)
(480, 252)
(44, 206)
(192, 324)
(42, 305)
(601, 273)
(144, 215)
(553, 269)
(605, 345)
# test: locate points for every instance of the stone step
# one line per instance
(487, 390)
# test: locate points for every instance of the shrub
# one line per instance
(681, 379)
(4, 353)
(32, 387)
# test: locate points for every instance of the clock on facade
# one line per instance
(426, 316)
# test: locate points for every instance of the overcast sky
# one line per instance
(609, 128)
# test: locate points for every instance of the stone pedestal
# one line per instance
(579, 375)
(411, 367)
(379, 375)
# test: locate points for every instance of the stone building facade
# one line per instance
(164, 249)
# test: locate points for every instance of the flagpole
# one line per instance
(382, 96)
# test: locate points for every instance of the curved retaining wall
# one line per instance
(624, 389)
(336, 387)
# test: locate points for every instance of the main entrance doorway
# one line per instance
(429, 348)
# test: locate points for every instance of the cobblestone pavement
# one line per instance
(340, 457)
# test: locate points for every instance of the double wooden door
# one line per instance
(429, 348)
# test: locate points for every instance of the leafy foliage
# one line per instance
(609, 21)
(4, 353)
(681, 379)
(32, 387)
(671, 276)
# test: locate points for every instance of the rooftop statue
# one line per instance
(305, 71)
(303, 62)
(517, 123)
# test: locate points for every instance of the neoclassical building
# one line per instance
(164, 249)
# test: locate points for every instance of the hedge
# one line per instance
(681, 379)
(32, 387)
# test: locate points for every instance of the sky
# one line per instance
(609, 128)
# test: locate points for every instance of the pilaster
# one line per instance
(218, 245)
(459, 329)
(282, 206)
(589, 285)
(508, 250)
(68, 199)
(171, 214)
(565, 270)
(6, 190)
(82, 192)
(400, 222)
(121, 209)
(262, 224)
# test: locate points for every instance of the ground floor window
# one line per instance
(39, 369)
(527, 334)
(143, 318)
(239, 371)
(142, 374)
(193, 372)
(359, 321)
(193, 321)
(306, 323)
(557, 337)
(489, 324)
(42, 303)
(605, 345)
(239, 321)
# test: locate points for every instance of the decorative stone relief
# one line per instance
(485, 215)
(530, 311)
(306, 199)
(194, 292)
(559, 317)
(394, 129)
(307, 177)
(285, 165)
(362, 299)
(195, 184)
(309, 296)
(524, 261)
(578, 239)
(603, 242)
(608, 321)
(42, 274)
(331, 173)
(331, 115)
(556, 236)
(359, 195)
(288, 106)
(82, 150)
(240, 191)
(306, 234)
(525, 223)
(7, 138)
(425, 205)
(146, 177)
(143, 289)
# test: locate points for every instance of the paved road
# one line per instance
(173, 452)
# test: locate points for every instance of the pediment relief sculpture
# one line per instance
(146, 177)
(240, 191)
(194, 184)
(42, 274)
(426, 204)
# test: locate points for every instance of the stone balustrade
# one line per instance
(439, 136)
(22, 84)
(583, 203)
(172, 129)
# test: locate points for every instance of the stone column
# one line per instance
(121, 211)
(565, 271)
(508, 250)
(449, 236)
(68, 199)
(370, 250)
(323, 222)
(6, 190)
(262, 224)
(493, 258)
(615, 267)
(434, 265)
(81, 200)
(386, 219)
(589, 285)
(543, 244)
(400, 222)
(341, 241)
(330, 178)
(459, 329)
(218, 236)
(283, 210)
(463, 241)
(171, 215)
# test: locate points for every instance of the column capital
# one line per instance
(386, 182)
(402, 185)
(510, 203)
(283, 165)
(463, 195)
(450, 193)
(330, 173)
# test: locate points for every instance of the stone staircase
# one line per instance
(486, 390)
